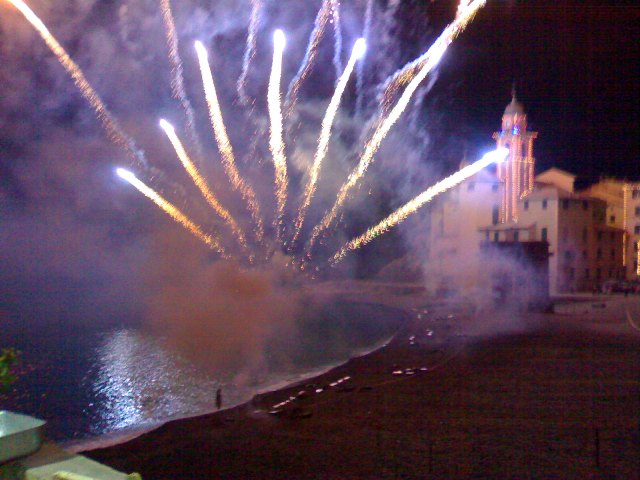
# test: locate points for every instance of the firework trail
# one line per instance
(337, 46)
(325, 133)
(319, 25)
(436, 51)
(466, 10)
(368, 17)
(171, 210)
(276, 142)
(411, 207)
(115, 133)
(177, 79)
(250, 50)
(201, 183)
(224, 144)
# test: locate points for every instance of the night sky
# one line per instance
(76, 241)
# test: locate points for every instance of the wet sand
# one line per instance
(490, 395)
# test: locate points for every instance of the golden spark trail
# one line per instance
(276, 142)
(224, 144)
(291, 98)
(201, 183)
(465, 13)
(171, 210)
(177, 80)
(403, 212)
(114, 131)
(250, 50)
(325, 133)
(436, 51)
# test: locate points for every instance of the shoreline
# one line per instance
(490, 403)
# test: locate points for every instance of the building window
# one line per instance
(637, 230)
(613, 253)
(586, 273)
(585, 205)
(568, 256)
(572, 273)
(495, 214)
(585, 233)
(612, 219)
(599, 236)
(610, 273)
(637, 211)
(544, 204)
(495, 187)
(599, 254)
(635, 247)
(471, 186)
(526, 204)
(635, 193)
(565, 204)
(486, 235)
(598, 273)
(516, 236)
(612, 236)
(543, 234)
(496, 236)
(635, 265)
(584, 254)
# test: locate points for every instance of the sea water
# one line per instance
(111, 382)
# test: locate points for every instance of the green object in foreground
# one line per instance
(8, 358)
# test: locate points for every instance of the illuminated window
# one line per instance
(543, 234)
(544, 204)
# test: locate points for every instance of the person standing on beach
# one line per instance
(219, 398)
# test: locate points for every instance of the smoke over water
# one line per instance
(110, 257)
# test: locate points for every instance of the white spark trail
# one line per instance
(337, 45)
(368, 18)
(291, 98)
(201, 183)
(114, 131)
(177, 76)
(224, 144)
(412, 206)
(325, 133)
(250, 50)
(276, 142)
(435, 53)
(171, 210)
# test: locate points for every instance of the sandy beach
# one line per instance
(456, 394)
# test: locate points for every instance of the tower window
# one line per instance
(635, 193)
(496, 236)
(495, 214)
(586, 273)
(526, 204)
(544, 204)
(543, 234)
(636, 230)
(612, 219)
(637, 211)
(565, 204)
(516, 236)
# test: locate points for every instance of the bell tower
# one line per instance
(516, 172)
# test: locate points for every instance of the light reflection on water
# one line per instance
(138, 381)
